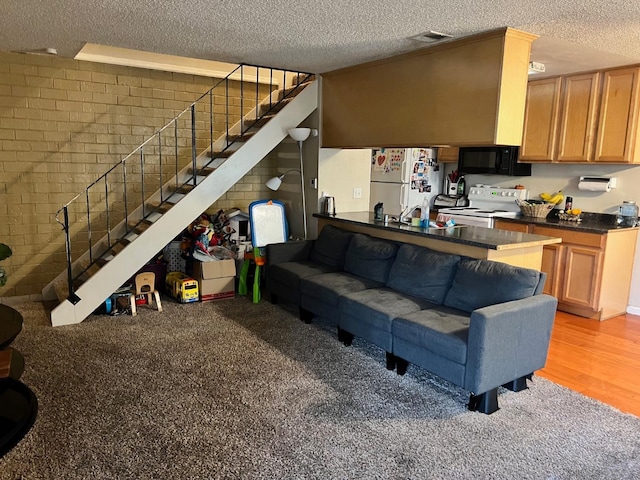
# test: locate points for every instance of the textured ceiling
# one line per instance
(320, 36)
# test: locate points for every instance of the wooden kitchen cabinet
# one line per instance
(589, 273)
(577, 118)
(584, 118)
(512, 226)
(448, 154)
(618, 121)
(540, 120)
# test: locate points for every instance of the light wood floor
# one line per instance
(598, 359)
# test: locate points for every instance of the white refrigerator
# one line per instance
(401, 178)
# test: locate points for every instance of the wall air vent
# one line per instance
(431, 36)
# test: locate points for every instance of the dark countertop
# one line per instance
(488, 238)
(591, 222)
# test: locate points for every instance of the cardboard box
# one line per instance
(216, 279)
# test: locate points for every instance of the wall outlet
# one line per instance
(357, 193)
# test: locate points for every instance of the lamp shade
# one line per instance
(274, 183)
(299, 134)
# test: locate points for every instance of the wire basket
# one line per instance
(537, 210)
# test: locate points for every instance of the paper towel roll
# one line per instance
(595, 185)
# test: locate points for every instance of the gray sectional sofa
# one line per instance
(476, 323)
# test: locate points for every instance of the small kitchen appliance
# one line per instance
(485, 204)
(329, 206)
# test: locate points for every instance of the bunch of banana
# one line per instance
(555, 198)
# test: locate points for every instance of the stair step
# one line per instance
(205, 171)
(303, 77)
(140, 227)
(293, 91)
(223, 154)
(253, 123)
(183, 189)
(154, 217)
(161, 208)
(275, 107)
(240, 138)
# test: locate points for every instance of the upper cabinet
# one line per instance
(540, 120)
(448, 154)
(618, 122)
(591, 117)
(469, 91)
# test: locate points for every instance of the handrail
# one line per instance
(94, 199)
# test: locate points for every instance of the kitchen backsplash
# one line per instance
(553, 177)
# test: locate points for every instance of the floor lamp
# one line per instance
(299, 135)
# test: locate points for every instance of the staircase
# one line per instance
(131, 234)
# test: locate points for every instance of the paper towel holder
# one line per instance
(610, 182)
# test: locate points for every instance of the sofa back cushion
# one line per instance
(331, 246)
(479, 283)
(370, 257)
(423, 273)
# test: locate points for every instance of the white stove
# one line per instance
(485, 204)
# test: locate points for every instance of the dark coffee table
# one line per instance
(18, 404)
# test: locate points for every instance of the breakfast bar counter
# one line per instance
(514, 248)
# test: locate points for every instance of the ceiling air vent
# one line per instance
(431, 36)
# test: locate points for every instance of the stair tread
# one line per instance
(221, 154)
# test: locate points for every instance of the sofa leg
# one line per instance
(391, 361)
(274, 299)
(345, 337)
(518, 384)
(401, 366)
(305, 315)
(486, 402)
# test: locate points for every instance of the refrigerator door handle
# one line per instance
(403, 170)
(403, 196)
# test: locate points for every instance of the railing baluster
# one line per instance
(126, 207)
(161, 171)
(270, 88)
(211, 122)
(242, 96)
(106, 204)
(226, 99)
(257, 92)
(89, 226)
(142, 180)
(193, 143)
(175, 123)
(73, 298)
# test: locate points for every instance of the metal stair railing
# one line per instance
(106, 207)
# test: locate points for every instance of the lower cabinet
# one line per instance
(589, 273)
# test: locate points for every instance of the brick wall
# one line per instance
(63, 123)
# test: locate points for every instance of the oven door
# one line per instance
(468, 220)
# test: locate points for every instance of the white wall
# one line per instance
(339, 172)
(552, 177)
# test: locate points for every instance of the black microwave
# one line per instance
(498, 160)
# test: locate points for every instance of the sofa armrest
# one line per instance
(288, 252)
(508, 341)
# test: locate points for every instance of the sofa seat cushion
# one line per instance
(378, 307)
(441, 330)
(290, 273)
(480, 283)
(422, 273)
(329, 287)
(331, 246)
(370, 257)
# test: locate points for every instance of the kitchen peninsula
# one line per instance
(514, 248)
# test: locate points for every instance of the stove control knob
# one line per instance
(503, 193)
